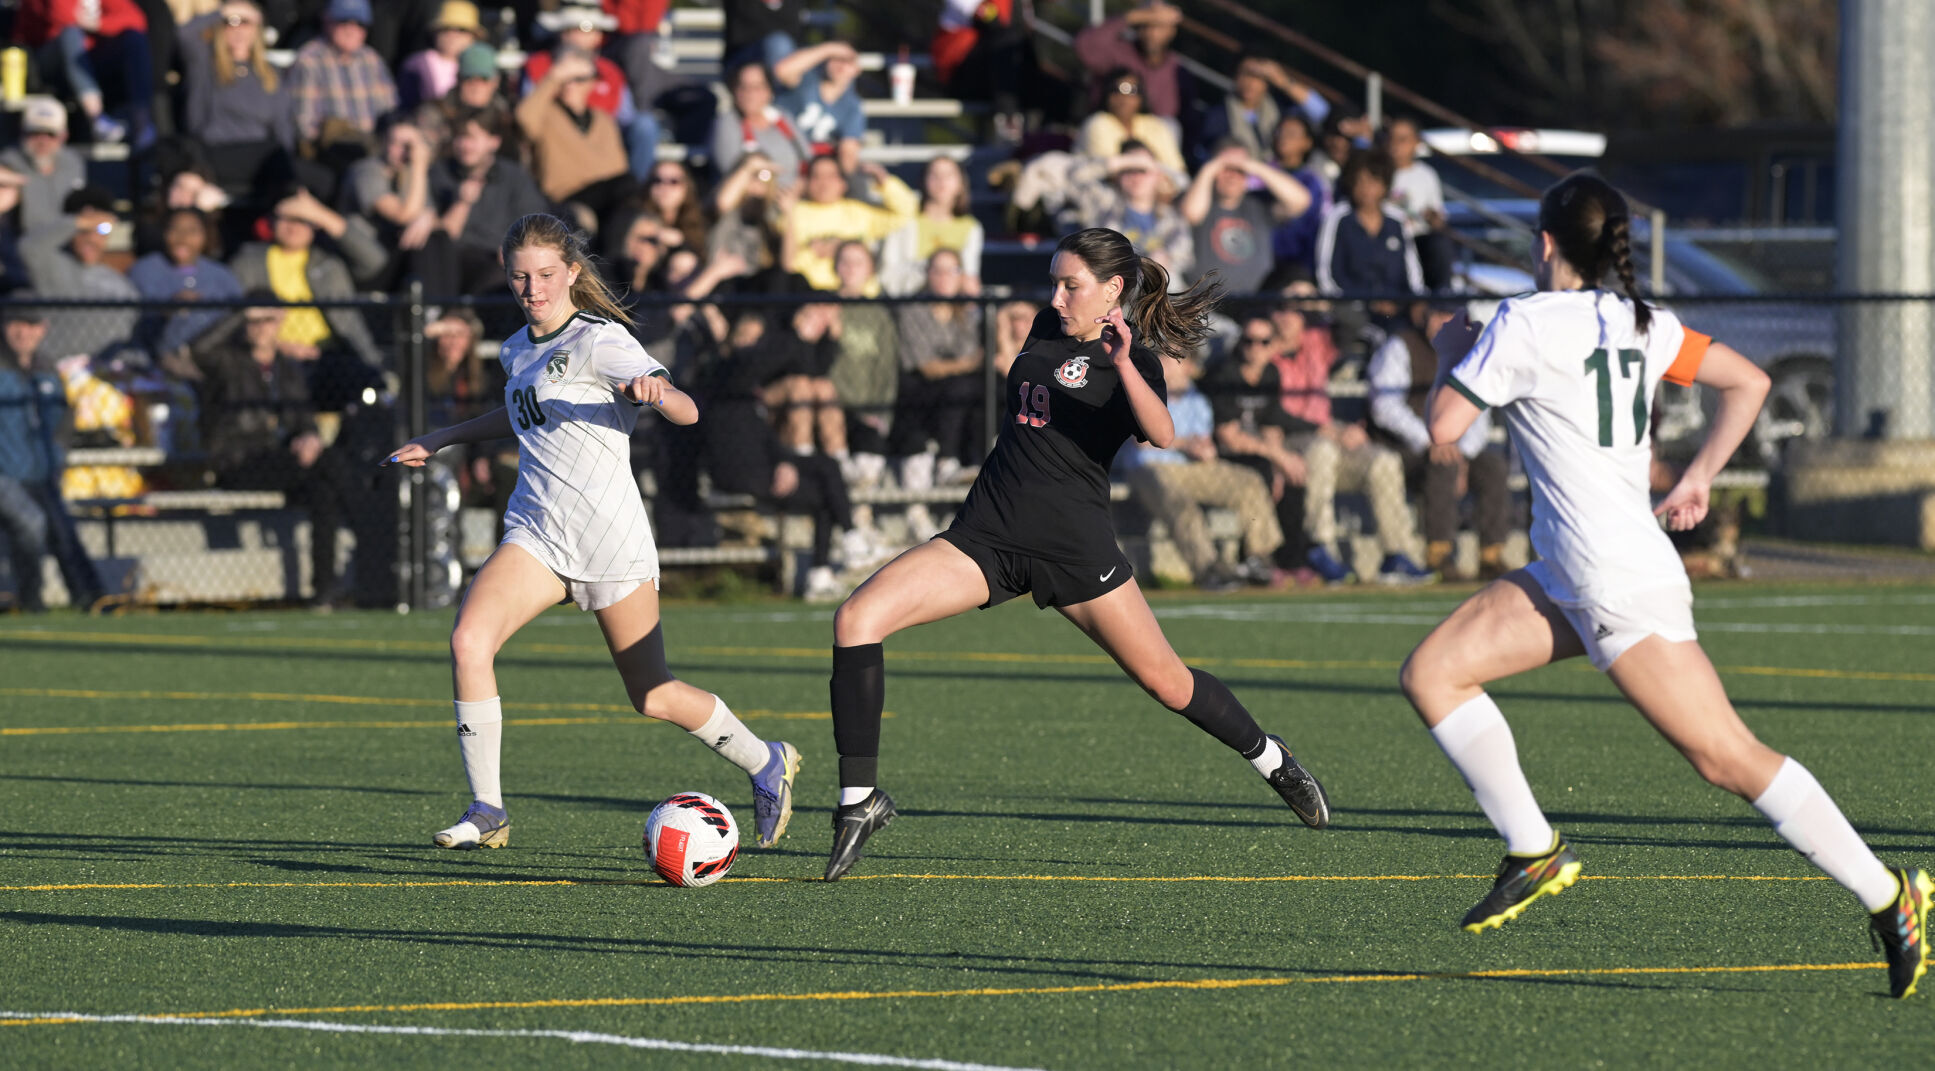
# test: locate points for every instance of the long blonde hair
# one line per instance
(589, 293)
(265, 72)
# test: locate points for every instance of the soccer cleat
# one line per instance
(1327, 567)
(1399, 569)
(773, 792)
(851, 828)
(1521, 880)
(1901, 930)
(482, 826)
(1299, 789)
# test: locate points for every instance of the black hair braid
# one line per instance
(1618, 243)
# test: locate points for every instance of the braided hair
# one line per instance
(1593, 229)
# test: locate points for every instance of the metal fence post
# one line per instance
(1374, 99)
(417, 545)
(1658, 237)
(990, 404)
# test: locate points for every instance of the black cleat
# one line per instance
(851, 828)
(1299, 789)
(1901, 929)
(1521, 880)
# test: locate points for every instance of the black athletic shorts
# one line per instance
(1011, 573)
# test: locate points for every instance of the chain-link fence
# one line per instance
(224, 453)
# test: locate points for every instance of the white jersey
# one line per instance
(1575, 380)
(577, 504)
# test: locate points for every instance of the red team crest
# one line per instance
(1073, 372)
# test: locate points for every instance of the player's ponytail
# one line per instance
(1592, 227)
(590, 292)
(1173, 325)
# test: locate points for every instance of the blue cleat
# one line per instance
(1325, 564)
(773, 792)
(1399, 569)
(482, 826)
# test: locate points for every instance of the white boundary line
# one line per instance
(580, 1037)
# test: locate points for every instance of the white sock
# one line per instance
(725, 733)
(480, 736)
(1269, 759)
(850, 795)
(1479, 743)
(1805, 815)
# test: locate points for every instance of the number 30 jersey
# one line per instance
(1575, 380)
(575, 490)
(1044, 489)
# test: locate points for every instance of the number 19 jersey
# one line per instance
(577, 505)
(1575, 380)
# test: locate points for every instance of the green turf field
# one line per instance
(225, 818)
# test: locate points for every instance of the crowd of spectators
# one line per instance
(295, 153)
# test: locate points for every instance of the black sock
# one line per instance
(859, 691)
(1217, 712)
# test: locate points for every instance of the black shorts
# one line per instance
(1010, 573)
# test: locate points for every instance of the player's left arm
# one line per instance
(656, 390)
(1151, 412)
(638, 378)
(1742, 387)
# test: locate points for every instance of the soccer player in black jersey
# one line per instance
(1037, 520)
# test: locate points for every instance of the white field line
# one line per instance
(1293, 614)
(580, 1037)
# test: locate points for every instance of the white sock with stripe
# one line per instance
(1479, 743)
(480, 736)
(1806, 817)
(724, 733)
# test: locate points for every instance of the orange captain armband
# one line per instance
(1687, 365)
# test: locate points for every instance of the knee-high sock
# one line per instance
(480, 737)
(859, 693)
(1804, 814)
(724, 733)
(1479, 743)
(1216, 711)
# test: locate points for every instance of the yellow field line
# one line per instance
(1504, 974)
(1012, 657)
(540, 882)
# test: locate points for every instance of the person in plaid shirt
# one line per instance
(339, 76)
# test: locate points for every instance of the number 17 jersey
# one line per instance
(1575, 380)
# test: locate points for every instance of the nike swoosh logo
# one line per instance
(1108, 574)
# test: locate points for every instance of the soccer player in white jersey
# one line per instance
(576, 526)
(1573, 370)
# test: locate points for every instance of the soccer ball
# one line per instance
(691, 839)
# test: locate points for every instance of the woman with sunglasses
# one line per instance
(672, 200)
(1125, 117)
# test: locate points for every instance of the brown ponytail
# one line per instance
(545, 231)
(1592, 227)
(1170, 324)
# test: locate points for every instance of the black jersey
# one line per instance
(1044, 490)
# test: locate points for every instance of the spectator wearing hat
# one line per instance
(432, 73)
(66, 258)
(34, 422)
(480, 85)
(577, 154)
(338, 76)
(583, 26)
(238, 105)
(818, 92)
(83, 44)
(1134, 194)
(46, 169)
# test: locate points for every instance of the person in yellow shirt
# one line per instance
(826, 217)
(945, 222)
(1123, 118)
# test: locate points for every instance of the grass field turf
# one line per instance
(228, 816)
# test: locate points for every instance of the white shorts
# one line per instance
(590, 595)
(1610, 631)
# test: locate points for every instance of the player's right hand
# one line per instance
(412, 453)
(1116, 336)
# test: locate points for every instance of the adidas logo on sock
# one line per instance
(464, 730)
(722, 742)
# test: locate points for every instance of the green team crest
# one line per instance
(554, 368)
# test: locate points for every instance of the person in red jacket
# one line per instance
(74, 40)
(581, 25)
